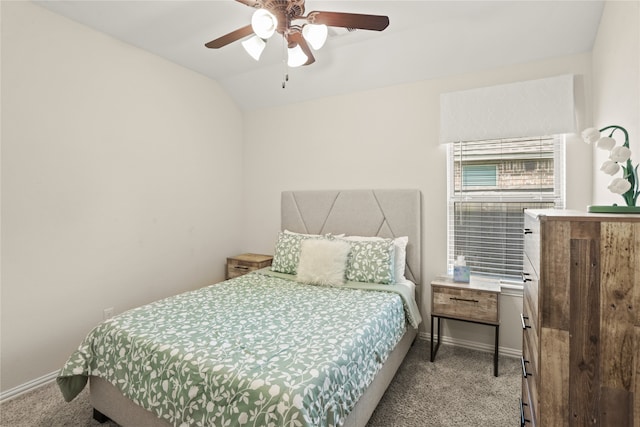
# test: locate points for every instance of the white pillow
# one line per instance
(323, 262)
(400, 260)
(399, 257)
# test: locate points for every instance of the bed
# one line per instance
(279, 357)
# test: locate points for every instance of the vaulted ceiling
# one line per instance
(425, 40)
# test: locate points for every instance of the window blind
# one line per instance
(490, 185)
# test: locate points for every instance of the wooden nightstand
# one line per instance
(476, 302)
(246, 263)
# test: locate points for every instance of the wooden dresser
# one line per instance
(581, 320)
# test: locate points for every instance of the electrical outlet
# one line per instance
(108, 313)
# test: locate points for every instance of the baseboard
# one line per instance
(28, 386)
(474, 345)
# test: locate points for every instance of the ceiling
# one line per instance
(424, 40)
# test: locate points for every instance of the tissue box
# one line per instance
(461, 274)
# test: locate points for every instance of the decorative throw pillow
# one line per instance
(371, 261)
(400, 258)
(399, 253)
(323, 262)
(287, 251)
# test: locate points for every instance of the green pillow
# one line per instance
(287, 252)
(371, 261)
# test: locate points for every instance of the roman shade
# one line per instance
(525, 109)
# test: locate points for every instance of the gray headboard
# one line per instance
(383, 213)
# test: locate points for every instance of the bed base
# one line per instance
(109, 403)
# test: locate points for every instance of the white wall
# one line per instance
(387, 138)
(616, 85)
(121, 184)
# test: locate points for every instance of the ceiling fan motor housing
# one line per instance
(284, 10)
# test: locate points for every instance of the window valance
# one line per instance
(525, 109)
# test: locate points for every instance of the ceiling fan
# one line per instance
(300, 32)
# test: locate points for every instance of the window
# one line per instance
(490, 185)
(479, 175)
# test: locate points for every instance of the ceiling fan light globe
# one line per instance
(315, 34)
(264, 23)
(254, 47)
(296, 57)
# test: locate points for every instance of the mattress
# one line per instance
(261, 349)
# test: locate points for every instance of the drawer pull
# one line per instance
(523, 420)
(524, 325)
(240, 267)
(527, 231)
(464, 299)
(525, 279)
(525, 374)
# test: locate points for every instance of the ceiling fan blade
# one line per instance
(250, 3)
(230, 38)
(296, 37)
(349, 20)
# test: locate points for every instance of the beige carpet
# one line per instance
(459, 389)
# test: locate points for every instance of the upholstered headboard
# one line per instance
(383, 213)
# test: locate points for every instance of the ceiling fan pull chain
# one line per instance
(285, 66)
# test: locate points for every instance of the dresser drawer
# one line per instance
(531, 286)
(527, 417)
(530, 334)
(532, 242)
(467, 304)
(530, 370)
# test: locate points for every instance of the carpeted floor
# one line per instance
(459, 389)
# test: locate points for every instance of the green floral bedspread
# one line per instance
(257, 350)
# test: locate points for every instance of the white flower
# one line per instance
(193, 392)
(619, 186)
(281, 407)
(256, 384)
(620, 154)
(274, 390)
(610, 167)
(606, 143)
(590, 135)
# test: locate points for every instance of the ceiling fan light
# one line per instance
(254, 47)
(315, 34)
(264, 23)
(296, 57)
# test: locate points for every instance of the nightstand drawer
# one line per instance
(235, 270)
(246, 263)
(468, 304)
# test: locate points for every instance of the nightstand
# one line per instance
(475, 302)
(246, 263)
